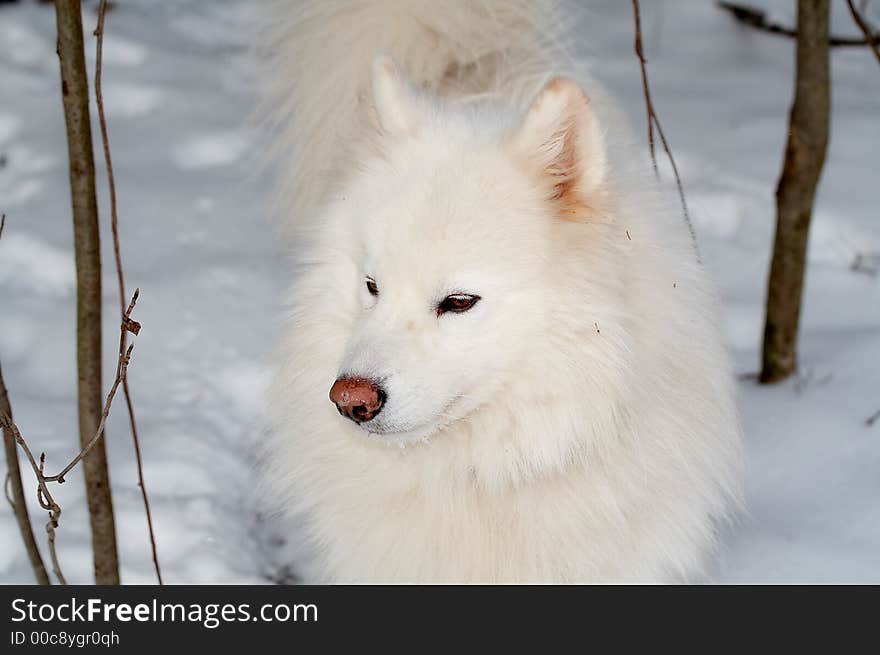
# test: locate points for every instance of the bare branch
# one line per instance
(654, 121)
(127, 324)
(44, 496)
(89, 307)
(121, 370)
(871, 39)
(757, 18)
(645, 89)
(105, 140)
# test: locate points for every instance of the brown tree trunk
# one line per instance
(18, 500)
(87, 244)
(804, 157)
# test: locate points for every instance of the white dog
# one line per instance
(521, 350)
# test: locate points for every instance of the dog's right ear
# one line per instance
(395, 105)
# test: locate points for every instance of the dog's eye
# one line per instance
(458, 303)
(372, 287)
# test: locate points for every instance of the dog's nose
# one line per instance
(357, 398)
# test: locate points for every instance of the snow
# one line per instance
(196, 242)
(218, 149)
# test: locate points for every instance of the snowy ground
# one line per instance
(195, 241)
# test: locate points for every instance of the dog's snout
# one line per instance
(357, 398)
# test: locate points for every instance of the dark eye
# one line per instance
(458, 303)
(371, 287)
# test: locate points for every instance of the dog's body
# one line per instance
(549, 398)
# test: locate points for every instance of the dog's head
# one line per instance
(457, 230)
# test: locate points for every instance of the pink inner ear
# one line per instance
(561, 141)
(563, 168)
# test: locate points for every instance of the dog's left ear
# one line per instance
(395, 105)
(561, 140)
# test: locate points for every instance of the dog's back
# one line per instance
(321, 51)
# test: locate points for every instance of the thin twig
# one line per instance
(44, 496)
(873, 418)
(122, 365)
(2, 224)
(646, 90)
(114, 225)
(121, 369)
(870, 39)
(654, 121)
(757, 18)
(15, 490)
(105, 140)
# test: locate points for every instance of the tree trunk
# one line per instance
(18, 500)
(804, 157)
(87, 244)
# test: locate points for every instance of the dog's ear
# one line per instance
(561, 140)
(395, 105)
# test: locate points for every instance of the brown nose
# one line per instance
(357, 398)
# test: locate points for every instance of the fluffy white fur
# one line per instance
(578, 424)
